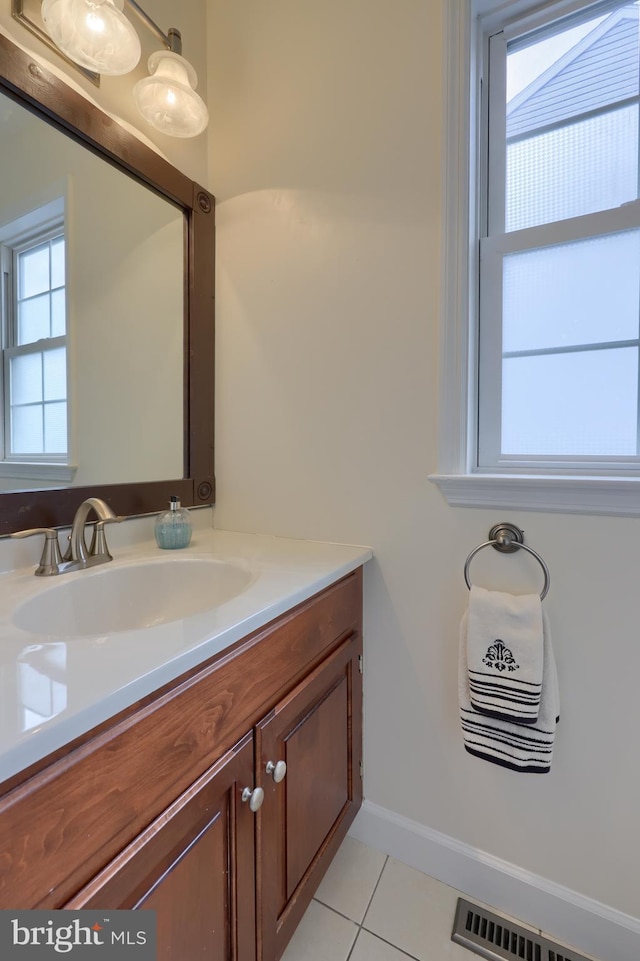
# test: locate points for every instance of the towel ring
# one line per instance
(507, 538)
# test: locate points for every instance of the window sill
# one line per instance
(33, 471)
(568, 494)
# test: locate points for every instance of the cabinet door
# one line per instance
(195, 866)
(317, 732)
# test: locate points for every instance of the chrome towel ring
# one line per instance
(507, 538)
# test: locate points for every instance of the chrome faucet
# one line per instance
(98, 552)
(77, 557)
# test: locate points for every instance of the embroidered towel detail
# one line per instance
(505, 654)
(520, 747)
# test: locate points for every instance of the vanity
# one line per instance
(201, 759)
(220, 793)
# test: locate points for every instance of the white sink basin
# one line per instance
(113, 598)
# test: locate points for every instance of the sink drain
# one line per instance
(498, 938)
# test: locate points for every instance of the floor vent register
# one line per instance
(498, 938)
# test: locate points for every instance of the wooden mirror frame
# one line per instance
(28, 82)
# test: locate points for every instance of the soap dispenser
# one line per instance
(173, 527)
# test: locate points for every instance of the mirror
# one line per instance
(139, 294)
(116, 304)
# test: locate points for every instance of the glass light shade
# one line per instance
(94, 33)
(167, 99)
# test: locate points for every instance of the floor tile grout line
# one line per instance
(368, 905)
(353, 946)
(329, 907)
(390, 943)
(361, 926)
(358, 924)
(375, 888)
(373, 893)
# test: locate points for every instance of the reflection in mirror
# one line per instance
(92, 303)
(129, 377)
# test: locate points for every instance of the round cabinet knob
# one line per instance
(255, 798)
(277, 770)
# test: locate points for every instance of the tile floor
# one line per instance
(370, 907)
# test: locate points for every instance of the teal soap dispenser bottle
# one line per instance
(173, 527)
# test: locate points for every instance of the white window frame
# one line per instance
(28, 230)
(459, 480)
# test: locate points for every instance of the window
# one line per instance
(34, 426)
(549, 260)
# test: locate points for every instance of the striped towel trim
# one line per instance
(509, 748)
(507, 761)
(521, 698)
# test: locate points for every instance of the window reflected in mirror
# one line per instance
(92, 302)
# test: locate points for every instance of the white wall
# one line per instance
(325, 149)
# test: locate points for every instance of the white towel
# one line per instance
(505, 654)
(521, 747)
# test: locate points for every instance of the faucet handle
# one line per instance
(99, 541)
(98, 546)
(51, 557)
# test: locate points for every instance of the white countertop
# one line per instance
(53, 689)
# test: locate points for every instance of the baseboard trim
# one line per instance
(566, 915)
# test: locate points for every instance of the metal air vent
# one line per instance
(498, 938)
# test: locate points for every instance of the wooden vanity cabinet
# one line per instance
(195, 866)
(149, 812)
(304, 817)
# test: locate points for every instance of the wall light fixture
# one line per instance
(97, 35)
